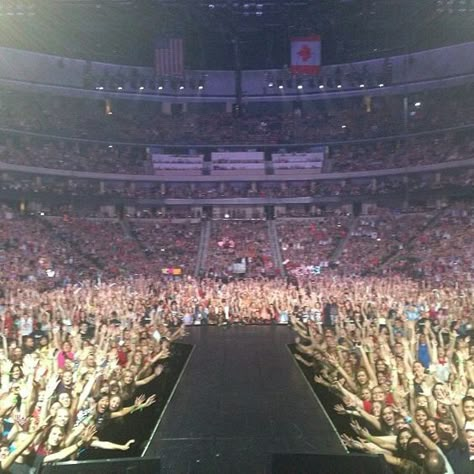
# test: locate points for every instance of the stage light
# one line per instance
(119, 88)
(141, 88)
(321, 86)
(299, 86)
(361, 85)
(339, 86)
(381, 84)
(270, 84)
(417, 104)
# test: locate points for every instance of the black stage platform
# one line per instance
(240, 399)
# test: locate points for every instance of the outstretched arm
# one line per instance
(97, 443)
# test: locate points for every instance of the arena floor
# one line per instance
(240, 399)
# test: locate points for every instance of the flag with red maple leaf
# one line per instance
(306, 55)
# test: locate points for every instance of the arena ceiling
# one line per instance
(123, 31)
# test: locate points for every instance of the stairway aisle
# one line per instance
(275, 246)
(203, 247)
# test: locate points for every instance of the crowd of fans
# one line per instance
(361, 117)
(312, 241)
(402, 152)
(239, 247)
(377, 236)
(387, 154)
(442, 251)
(74, 360)
(74, 156)
(64, 250)
(400, 358)
(119, 190)
(87, 315)
(89, 306)
(169, 245)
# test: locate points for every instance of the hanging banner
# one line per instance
(169, 57)
(306, 55)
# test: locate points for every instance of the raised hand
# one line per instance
(352, 443)
(349, 402)
(7, 365)
(164, 353)
(127, 445)
(359, 430)
(45, 423)
(139, 400)
(89, 432)
(340, 410)
(149, 401)
(318, 379)
(51, 386)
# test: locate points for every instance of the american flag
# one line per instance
(169, 57)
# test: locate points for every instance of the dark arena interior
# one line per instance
(236, 237)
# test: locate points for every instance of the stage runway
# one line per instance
(241, 398)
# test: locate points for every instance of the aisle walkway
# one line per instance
(241, 398)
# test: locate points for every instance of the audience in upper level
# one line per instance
(315, 121)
